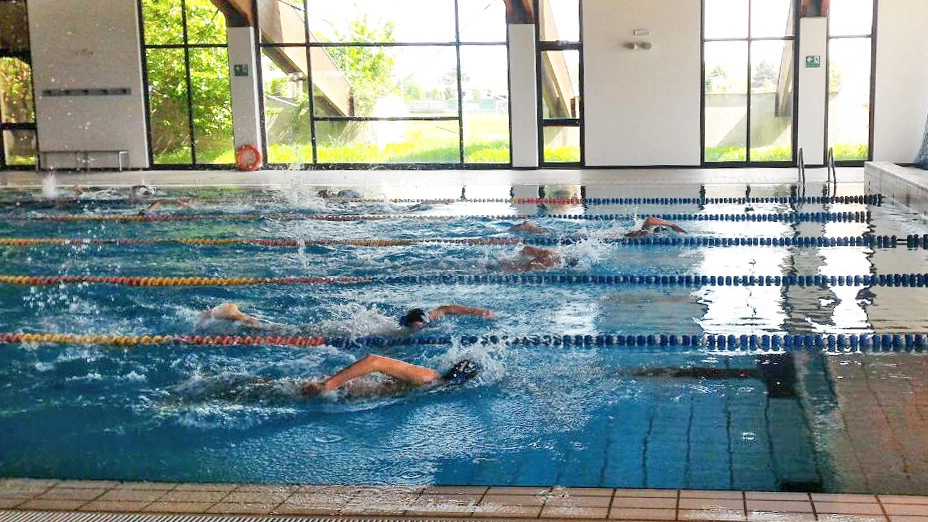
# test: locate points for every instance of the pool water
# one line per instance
(539, 414)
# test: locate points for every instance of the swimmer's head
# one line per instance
(657, 229)
(463, 371)
(415, 319)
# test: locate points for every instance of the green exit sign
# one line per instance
(813, 61)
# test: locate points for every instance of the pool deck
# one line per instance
(408, 178)
(448, 503)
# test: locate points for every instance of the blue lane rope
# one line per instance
(788, 217)
(867, 199)
(876, 342)
(911, 241)
(887, 280)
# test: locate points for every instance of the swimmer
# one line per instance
(403, 374)
(531, 258)
(414, 319)
(654, 225)
(184, 203)
(418, 318)
(142, 191)
(529, 227)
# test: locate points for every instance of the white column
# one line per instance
(523, 95)
(813, 88)
(243, 65)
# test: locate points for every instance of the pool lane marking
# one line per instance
(888, 280)
(733, 344)
(912, 241)
(865, 199)
(792, 217)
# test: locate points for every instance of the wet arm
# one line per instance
(395, 368)
(454, 309)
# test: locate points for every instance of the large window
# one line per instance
(560, 56)
(748, 79)
(850, 62)
(17, 108)
(189, 93)
(373, 82)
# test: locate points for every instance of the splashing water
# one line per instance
(49, 187)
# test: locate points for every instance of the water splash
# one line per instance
(49, 186)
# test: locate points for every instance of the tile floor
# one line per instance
(455, 502)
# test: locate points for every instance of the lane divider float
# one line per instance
(865, 199)
(789, 217)
(911, 241)
(887, 280)
(831, 343)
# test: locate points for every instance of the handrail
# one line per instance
(832, 174)
(802, 168)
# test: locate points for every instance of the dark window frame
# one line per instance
(541, 47)
(794, 38)
(25, 57)
(309, 45)
(186, 46)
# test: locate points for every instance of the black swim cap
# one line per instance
(462, 372)
(416, 315)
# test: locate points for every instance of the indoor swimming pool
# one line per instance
(775, 345)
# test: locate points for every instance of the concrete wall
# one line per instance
(901, 100)
(88, 44)
(812, 87)
(642, 106)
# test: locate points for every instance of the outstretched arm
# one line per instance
(652, 221)
(399, 370)
(454, 309)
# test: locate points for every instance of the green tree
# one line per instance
(764, 76)
(369, 70)
(717, 80)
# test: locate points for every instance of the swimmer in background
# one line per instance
(651, 225)
(183, 203)
(404, 376)
(415, 319)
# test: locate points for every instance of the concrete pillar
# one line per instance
(523, 95)
(813, 88)
(243, 69)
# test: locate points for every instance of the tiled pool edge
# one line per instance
(441, 503)
(907, 185)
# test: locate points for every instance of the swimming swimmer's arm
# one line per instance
(228, 312)
(454, 309)
(399, 370)
(652, 221)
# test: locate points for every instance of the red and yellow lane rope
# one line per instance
(179, 281)
(51, 241)
(137, 340)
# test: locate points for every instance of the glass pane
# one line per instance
(482, 20)
(850, 18)
(286, 108)
(19, 147)
(376, 21)
(205, 23)
(485, 81)
(163, 22)
(849, 98)
(559, 20)
(726, 65)
(562, 144)
(167, 96)
(212, 105)
(282, 22)
(560, 88)
(726, 19)
(388, 81)
(771, 101)
(14, 26)
(771, 18)
(388, 142)
(16, 103)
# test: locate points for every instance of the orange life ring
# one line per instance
(248, 158)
